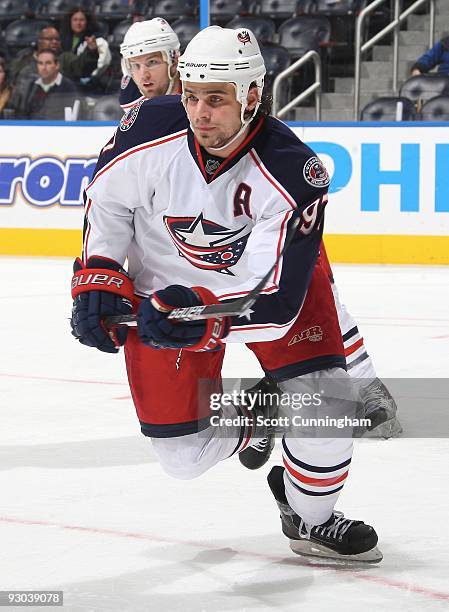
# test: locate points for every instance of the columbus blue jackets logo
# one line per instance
(243, 37)
(128, 119)
(315, 173)
(206, 244)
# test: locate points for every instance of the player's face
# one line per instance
(214, 113)
(150, 74)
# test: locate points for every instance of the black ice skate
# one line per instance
(257, 455)
(379, 406)
(338, 538)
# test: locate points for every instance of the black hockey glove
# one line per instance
(159, 332)
(99, 289)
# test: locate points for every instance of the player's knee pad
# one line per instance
(182, 457)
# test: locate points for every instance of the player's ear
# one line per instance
(252, 98)
(174, 66)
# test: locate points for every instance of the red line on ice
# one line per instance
(69, 380)
(395, 584)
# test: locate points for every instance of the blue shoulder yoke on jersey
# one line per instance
(145, 122)
(129, 94)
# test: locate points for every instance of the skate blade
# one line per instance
(312, 549)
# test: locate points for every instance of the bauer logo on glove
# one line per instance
(100, 288)
(106, 280)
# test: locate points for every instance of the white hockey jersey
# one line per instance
(153, 202)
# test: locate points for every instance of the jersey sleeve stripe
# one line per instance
(263, 326)
(131, 104)
(86, 237)
(226, 296)
(282, 236)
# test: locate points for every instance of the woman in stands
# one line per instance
(5, 88)
(78, 29)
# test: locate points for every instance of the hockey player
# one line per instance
(150, 52)
(200, 206)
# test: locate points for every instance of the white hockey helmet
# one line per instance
(223, 55)
(150, 37)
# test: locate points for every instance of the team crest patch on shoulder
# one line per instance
(128, 119)
(315, 173)
(125, 81)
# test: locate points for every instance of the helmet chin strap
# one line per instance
(171, 79)
(126, 69)
(244, 125)
(171, 82)
(244, 122)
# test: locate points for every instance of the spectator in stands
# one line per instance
(5, 88)
(78, 30)
(438, 55)
(73, 66)
(23, 68)
(51, 92)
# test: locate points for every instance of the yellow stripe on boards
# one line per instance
(366, 248)
(341, 248)
(42, 242)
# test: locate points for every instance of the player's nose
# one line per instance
(202, 110)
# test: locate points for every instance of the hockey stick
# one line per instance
(238, 307)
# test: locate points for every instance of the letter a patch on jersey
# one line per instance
(206, 244)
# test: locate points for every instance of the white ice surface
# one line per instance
(86, 509)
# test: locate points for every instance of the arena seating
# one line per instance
(173, 9)
(224, 10)
(436, 109)
(421, 88)
(389, 109)
(113, 10)
(23, 33)
(185, 28)
(14, 9)
(263, 27)
(299, 34)
(286, 29)
(56, 9)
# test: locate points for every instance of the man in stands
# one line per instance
(24, 70)
(51, 92)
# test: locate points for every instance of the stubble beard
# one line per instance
(159, 91)
(207, 140)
